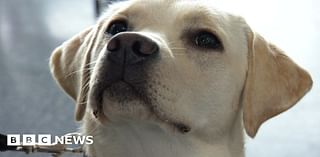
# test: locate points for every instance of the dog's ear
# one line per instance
(274, 83)
(70, 66)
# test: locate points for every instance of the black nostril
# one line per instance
(143, 49)
(113, 45)
(136, 46)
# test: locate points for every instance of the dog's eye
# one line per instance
(207, 40)
(117, 27)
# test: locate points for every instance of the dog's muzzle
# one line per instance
(124, 70)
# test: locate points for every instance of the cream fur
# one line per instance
(210, 91)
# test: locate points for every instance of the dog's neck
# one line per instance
(130, 138)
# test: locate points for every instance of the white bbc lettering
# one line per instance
(89, 139)
(13, 140)
(79, 139)
(28, 139)
(58, 140)
(68, 139)
(44, 139)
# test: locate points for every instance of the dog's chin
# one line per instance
(123, 100)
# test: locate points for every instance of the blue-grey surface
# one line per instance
(30, 101)
(30, 30)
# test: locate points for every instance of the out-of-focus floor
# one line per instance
(30, 101)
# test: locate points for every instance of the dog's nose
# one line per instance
(130, 48)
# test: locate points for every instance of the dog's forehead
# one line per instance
(170, 12)
(173, 18)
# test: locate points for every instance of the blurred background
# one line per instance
(31, 102)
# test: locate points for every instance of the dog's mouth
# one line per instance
(122, 93)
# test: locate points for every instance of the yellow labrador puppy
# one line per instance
(170, 78)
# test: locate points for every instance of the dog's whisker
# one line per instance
(178, 48)
(93, 62)
(167, 56)
(174, 55)
(78, 71)
(172, 42)
(84, 87)
(82, 103)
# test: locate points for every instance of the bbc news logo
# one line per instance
(46, 139)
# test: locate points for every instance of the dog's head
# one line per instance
(179, 63)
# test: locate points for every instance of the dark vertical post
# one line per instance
(97, 8)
